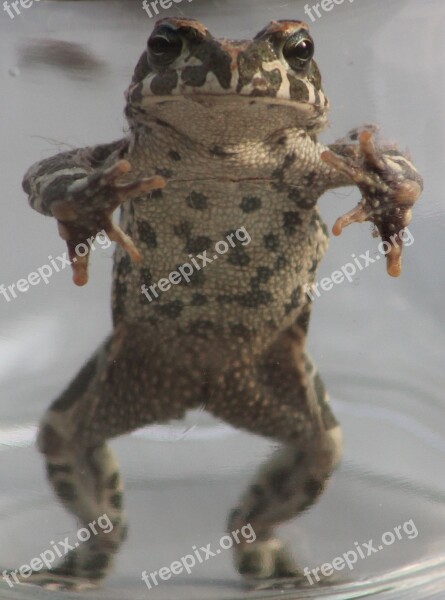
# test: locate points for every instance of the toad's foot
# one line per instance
(267, 564)
(263, 560)
(389, 184)
(82, 569)
(88, 207)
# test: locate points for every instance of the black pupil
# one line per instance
(304, 49)
(165, 44)
(300, 50)
(159, 45)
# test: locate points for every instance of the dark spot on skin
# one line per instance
(146, 276)
(183, 281)
(220, 152)
(278, 183)
(163, 85)
(167, 173)
(170, 309)
(295, 300)
(278, 173)
(196, 279)
(238, 257)
(65, 490)
(311, 178)
(271, 242)
(113, 481)
(147, 234)
(291, 222)
(197, 201)
(241, 331)
(231, 233)
(273, 86)
(123, 267)
(289, 160)
(255, 299)
(251, 63)
(263, 275)
(314, 223)
(302, 201)
(260, 502)
(194, 76)
(58, 188)
(294, 195)
(280, 263)
(174, 155)
(101, 152)
(199, 300)
(196, 245)
(302, 321)
(297, 89)
(214, 60)
(142, 68)
(279, 483)
(183, 229)
(312, 269)
(313, 487)
(282, 141)
(250, 204)
(116, 501)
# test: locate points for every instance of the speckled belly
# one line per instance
(232, 254)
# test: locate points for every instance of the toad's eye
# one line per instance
(164, 45)
(298, 50)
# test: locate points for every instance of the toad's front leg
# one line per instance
(82, 189)
(389, 183)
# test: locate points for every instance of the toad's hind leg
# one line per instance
(285, 400)
(116, 392)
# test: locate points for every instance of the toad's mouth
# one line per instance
(139, 93)
(310, 114)
(215, 98)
